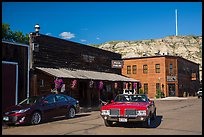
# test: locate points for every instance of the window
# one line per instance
(41, 83)
(50, 99)
(157, 68)
(158, 86)
(128, 69)
(134, 69)
(171, 68)
(145, 69)
(61, 98)
(145, 88)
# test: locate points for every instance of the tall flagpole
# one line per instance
(176, 22)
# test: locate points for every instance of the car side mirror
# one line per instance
(112, 101)
(152, 102)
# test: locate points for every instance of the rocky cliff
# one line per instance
(188, 47)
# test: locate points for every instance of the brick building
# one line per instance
(173, 75)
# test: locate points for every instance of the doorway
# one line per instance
(172, 90)
(83, 99)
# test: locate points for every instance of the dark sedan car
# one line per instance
(37, 108)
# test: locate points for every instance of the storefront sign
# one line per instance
(171, 78)
(117, 64)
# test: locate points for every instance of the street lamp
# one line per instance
(37, 29)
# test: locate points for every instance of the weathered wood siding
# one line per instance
(15, 53)
(54, 52)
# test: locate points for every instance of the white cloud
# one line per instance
(48, 34)
(83, 40)
(97, 38)
(67, 35)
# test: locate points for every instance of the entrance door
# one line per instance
(172, 90)
(9, 84)
(82, 94)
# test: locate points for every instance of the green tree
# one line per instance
(141, 91)
(14, 36)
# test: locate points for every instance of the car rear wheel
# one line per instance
(108, 123)
(71, 112)
(36, 118)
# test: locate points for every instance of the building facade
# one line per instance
(86, 71)
(15, 73)
(172, 75)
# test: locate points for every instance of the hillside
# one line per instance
(188, 47)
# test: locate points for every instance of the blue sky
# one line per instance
(100, 22)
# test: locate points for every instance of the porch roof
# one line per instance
(85, 74)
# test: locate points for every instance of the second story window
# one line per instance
(41, 83)
(157, 68)
(145, 69)
(134, 69)
(171, 69)
(128, 69)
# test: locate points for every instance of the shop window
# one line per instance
(158, 86)
(145, 88)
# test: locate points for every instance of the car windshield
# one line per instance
(130, 98)
(31, 100)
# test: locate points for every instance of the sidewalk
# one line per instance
(176, 98)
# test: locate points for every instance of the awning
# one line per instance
(85, 74)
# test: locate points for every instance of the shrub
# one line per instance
(141, 91)
(159, 94)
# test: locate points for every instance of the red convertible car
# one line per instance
(129, 108)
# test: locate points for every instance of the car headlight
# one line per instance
(105, 112)
(21, 110)
(141, 113)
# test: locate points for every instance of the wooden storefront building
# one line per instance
(85, 70)
(173, 75)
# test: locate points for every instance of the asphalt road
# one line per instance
(174, 117)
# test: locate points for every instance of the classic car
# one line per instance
(129, 108)
(34, 110)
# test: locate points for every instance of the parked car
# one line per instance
(35, 109)
(129, 108)
(199, 93)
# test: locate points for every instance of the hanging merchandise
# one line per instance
(74, 84)
(135, 85)
(115, 85)
(100, 85)
(130, 86)
(126, 86)
(140, 85)
(91, 83)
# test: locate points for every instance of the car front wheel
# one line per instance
(154, 115)
(147, 122)
(108, 123)
(36, 118)
(71, 112)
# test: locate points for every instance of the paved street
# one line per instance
(174, 117)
